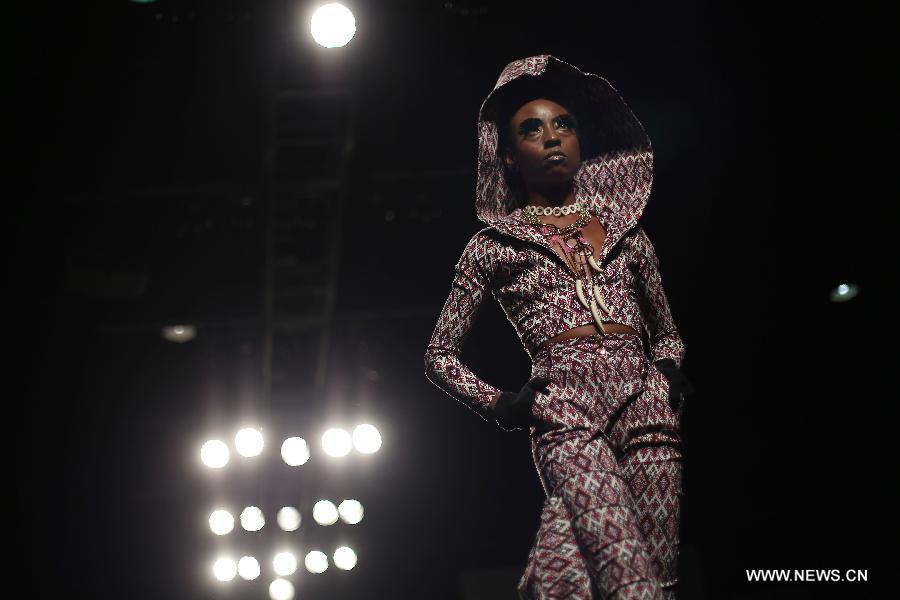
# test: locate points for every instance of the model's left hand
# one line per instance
(678, 382)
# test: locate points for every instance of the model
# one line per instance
(564, 173)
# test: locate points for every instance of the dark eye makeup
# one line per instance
(565, 120)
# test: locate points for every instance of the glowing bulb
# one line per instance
(284, 563)
(248, 442)
(332, 25)
(316, 562)
(288, 518)
(344, 558)
(337, 442)
(252, 519)
(325, 513)
(214, 454)
(225, 569)
(221, 522)
(366, 438)
(295, 451)
(248, 568)
(281, 589)
(351, 511)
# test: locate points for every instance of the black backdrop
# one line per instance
(774, 129)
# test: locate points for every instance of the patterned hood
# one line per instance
(616, 171)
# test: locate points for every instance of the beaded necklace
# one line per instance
(578, 253)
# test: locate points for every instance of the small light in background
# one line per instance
(214, 454)
(332, 25)
(224, 569)
(366, 438)
(844, 292)
(179, 333)
(337, 442)
(281, 589)
(248, 442)
(288, 518)
(284, 563)
(221, 522)
(344, 558)
(248, 568)
(325, 513)
(316, 562)
(252, 519)
(295, 451)
(351, 511)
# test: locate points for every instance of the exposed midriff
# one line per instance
(590, 329)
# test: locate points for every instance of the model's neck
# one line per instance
(559, 195)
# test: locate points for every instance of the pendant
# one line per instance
(596, 314)
(593, 263)
(599, 298)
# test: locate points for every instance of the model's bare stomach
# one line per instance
(591, 329)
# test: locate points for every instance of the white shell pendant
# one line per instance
(579, 291)
(596, 313)
(593, 263)
(599, 298)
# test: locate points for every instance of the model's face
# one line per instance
(537, 129)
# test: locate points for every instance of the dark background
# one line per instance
(774, 132)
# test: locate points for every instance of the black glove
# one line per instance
(513, 409)
(678, 383)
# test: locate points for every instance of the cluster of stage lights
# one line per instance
(249, 442)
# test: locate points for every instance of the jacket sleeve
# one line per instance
(442, 365)
(665, 341)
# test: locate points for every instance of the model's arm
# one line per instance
(442, 365)
(665, 341)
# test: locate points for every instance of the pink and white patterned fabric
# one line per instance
(609, 454)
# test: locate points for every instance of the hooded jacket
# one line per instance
(511, 259)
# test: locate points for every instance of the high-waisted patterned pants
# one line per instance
(609, 456)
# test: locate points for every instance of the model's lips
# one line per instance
(555, 155)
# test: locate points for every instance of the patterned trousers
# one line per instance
(609, 456)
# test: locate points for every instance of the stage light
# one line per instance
(337, 442)
(366, 438)
(221, 522)
(288, 518)
(316, 562)
(351, 511)
(344, 558)
(332, 25)
(248, 568)
(284, 563)
(214, 454)
(844, 292)
(325, 513)
(248, 442)
(295, 451)
(281, 589)
(252, 519)
(224, 569)
(179, 333)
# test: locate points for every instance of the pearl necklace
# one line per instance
(578, 252)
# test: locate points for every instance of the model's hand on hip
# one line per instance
(513, 409)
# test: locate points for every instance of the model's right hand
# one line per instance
(513, 409)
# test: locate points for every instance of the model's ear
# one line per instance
(507, 158)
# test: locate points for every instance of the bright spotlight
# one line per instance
(295, 451)
(288, 518)
(284, 563)
(344, 558)
(248, 442)
(351, 511)
(316, 562)
(844, 292)
(366, 438)
(221, 522)
(225, 569)
(337, 442)
(248, 568)
(325, 513)
(332, 25)
(252, 519)
(281, 589)
(214, 454)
